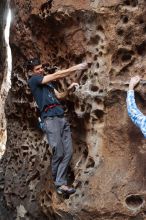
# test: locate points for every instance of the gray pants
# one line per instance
(59, 139)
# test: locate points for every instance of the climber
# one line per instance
(52, 113)
(135, 114)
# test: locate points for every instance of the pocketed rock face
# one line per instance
(108, 165)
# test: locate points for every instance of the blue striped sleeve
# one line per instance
(135, 114)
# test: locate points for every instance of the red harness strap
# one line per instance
(51, 106)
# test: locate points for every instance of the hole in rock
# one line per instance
(144, 29)
(134, 201)
(97, 65)
(126, 57)
(82, 107)
(98, 113)
(84, 79)
(42, 165)
(101, 91)
(86, 182)
(125, 19)
(100, 28)
(95, 39)
(76, 195)
(85, 153)
(88, 109)
(90, 163)
(45, 158)
(79, 59)
(95, 57)
(132, 3)
(94, 88)
(78, 18)
(24, 127)
(141, 21)
(95, 74)
(98, 100)
(120, 31)
(127, 2)
(25, 154)
(141, 48)
(15, 135)
(46, 5)
(100, 53)
(128, 42)
(24, 147)
(89, 65)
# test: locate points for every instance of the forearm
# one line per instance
(59, 74)
(135, 114)
(131, 104)
(63, 73)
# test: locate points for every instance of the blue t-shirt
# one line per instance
(44, 96)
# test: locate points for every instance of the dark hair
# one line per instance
(30, 64)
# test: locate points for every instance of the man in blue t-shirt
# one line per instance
(52, 113)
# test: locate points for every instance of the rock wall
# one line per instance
(5, 212)
(108, 165)
(2, 52)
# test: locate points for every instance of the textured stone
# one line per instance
(108, 165)
(5, 212)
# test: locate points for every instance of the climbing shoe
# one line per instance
(69, 191)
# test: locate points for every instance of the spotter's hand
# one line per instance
(134, 81)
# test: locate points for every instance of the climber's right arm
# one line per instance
(63, 73)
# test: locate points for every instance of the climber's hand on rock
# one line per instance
(134, 81)
(76, 85)
(80, 66)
